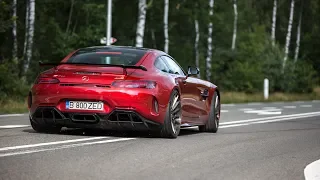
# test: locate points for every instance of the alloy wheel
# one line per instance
(175, 113)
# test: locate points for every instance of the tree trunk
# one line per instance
(153, 38)
(296, 55)
(165, 26)
(70, 16)
(27, 25)
(196, 43)
(235, 22)
(274, 21)
(14, 30)
(209, 50)
(26, 36)
(141, 23)
(75, 26)
(288, 39)
(30, 35)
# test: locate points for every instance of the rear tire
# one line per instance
(212, 124)
(44, 128)
(172, 122)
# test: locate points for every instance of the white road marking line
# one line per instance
(306, 105)
(268, 118)
(312, 171)
(246, 109)
(13, 126)
(65, 146)
(228, 104)
(315, 100)
(268, 121)
(50, 143)
(289, 107)
(11, 115)
(278, 102)
(254, 104)
(269, 108)
(265, 111)
(224, 111)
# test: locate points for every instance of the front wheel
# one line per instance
(172, 122)
(212, 124)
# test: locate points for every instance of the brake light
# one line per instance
(134, 84)
(44, 80)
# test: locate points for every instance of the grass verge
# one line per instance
(237, 97)
(14, 106)
(240, 97)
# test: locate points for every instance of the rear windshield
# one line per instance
(114, 56)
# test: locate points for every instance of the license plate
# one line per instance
(84, 105)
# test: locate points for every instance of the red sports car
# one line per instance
(119, 87)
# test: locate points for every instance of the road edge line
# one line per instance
(65, 147)
(267, 118)
(51, 143)
(13, 115)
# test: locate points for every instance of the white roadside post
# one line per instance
(266, 88)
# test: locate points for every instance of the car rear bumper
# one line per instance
(140, 101)
(118, 119)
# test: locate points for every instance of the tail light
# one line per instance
(45, 80)
(135, 84)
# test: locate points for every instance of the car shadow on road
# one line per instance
(113, 133)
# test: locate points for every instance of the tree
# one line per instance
(274, 22)
(70, 16)
(288, 38)
(165, 26)
(141, 23)
(31, 33)
(209, 41)
(235, 22)
(196, 44)
(14, 30)
(261, 30)
(298, 35)
(26, 40)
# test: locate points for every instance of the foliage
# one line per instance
(241, 70)
(11, 86)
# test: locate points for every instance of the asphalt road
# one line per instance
(255, 141)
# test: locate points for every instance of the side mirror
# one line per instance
(193, 71)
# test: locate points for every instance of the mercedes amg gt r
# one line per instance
(122, 88)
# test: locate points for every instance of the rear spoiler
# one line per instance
(101, 65)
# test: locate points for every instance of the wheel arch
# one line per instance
(214, 89)
(173, 89)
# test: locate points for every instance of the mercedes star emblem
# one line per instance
(85, 78)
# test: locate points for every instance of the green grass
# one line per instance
(240, 97)
(237, 97)
(14, 106)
